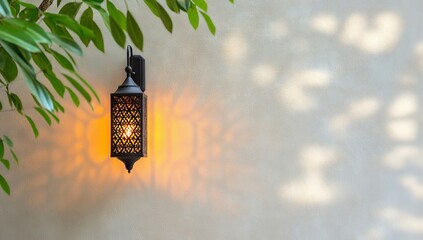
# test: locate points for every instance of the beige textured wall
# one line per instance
(299, 120)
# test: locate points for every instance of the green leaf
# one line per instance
(15, 102)
(44, 115)
(36, 101)
(1, 106)
(78, 87)
(16, 54)
(193, 17)
(173, 5)
(153, 6)
(58, 3)
(98, 39)
(103, 13)
(39, 91)
(34, 128)
(58, 107)
(134, 31)
(8, 141)
(41, 60)
(117, 15)
(117, 33)
(93, 2)
(71, 9)
(25, 54)
(8, 67)
(15, 7)
(55, 82)
(20, 38)
(86, 21)
(184, 4)
(6, 163)
(88, 86)
(29, 14)
(70, 57)
(75, 98)
(70, 24)
(166, 20)
(14, 156)
(67, 44)
(62, 60)
(232, 1)
(54, 116)
(1, 149)
(209, 22)
(27, 5)
(5, 8)
(33, 30)
(201, 4)
(4, 185)
(57, 30)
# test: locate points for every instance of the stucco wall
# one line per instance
(299, 120)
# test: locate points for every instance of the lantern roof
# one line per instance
(128, 86)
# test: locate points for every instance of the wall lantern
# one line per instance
(129, 114)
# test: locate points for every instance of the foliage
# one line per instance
(40, 45)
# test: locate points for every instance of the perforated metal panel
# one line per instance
(128, 125)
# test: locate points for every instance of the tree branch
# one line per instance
(45, 4)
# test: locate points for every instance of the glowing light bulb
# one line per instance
(127, 133)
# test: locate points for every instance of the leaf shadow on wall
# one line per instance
(336, 72)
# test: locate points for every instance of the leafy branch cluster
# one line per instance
(40, 45)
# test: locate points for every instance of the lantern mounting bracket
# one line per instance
(138, 68)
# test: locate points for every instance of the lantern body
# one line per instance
(128, 127)
(128, 111)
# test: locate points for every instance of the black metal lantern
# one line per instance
(129, 114)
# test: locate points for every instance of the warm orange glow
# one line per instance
(128, 130)
(190, 141)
